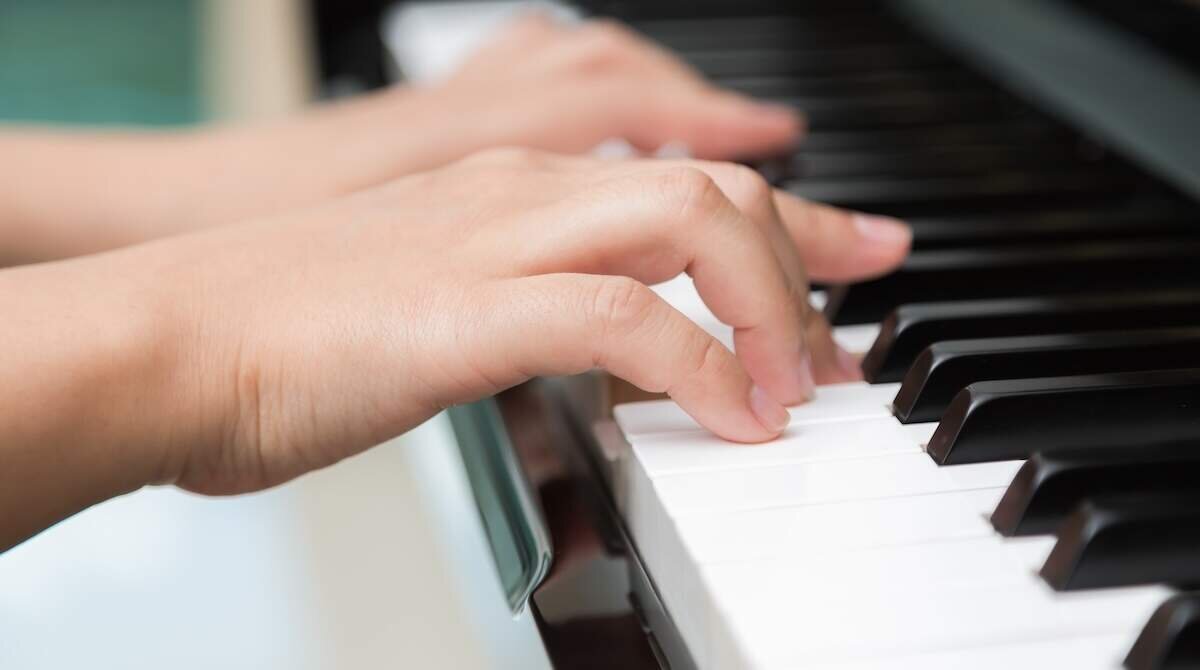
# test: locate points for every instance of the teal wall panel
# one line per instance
(100, 61)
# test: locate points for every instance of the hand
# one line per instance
(341, 327)
(247, 355)
(540, 85)
(566, 88)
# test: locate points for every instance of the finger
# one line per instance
(529, 31)
(838, 245)
(526, 30)
(654, 226)
(712, 123)
(831, 363)
(562, 324)
(751, 194)
(744, 187)
(810, 239)
(601, 45)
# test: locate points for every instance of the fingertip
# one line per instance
(848, 365)
(740, 127)
(785, 118)
(775, 126)
(770, 413)
(884, 242)
(883, 231)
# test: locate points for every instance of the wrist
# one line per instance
(90, 402)
(398, 131)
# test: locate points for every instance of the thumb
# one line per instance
(838, 245)
(714, 124)
(562, 324)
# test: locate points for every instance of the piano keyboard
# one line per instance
(1013, 485)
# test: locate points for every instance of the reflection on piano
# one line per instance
(1016, 484)
(1011, 487)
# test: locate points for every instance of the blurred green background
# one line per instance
(101, 61)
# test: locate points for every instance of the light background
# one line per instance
(377, 562)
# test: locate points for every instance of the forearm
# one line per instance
(66, 193)
(87, 386)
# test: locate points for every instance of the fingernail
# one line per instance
(773, 416)
(848, 364)
(882, 229)
(808, 384)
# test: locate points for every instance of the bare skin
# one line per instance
(540, 85)
(247, 355)
(257, 302)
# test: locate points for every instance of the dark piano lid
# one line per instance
(1099, 78)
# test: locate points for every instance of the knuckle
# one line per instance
(689, 191)
(752, 185)
(620, 304)
(602, 43)
(709, 358)
(607, 35)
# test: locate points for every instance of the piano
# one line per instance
(1017, 482)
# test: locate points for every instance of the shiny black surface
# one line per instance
(1049, 485)
(592, 551)
(947, 367)
(974, 273)
(1144, 538)
(1171, 639)
(910, 328)
(1005, 200)
(1013, 419)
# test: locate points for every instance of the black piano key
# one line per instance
(884, 80)
(1125, 540)
(917, 196)
(1150, 220)
(1016, 131)
(1012, 419)
(953, 160)
(904, 111)
(967, 274)
(808, 61)
(945, 368)
(1049, 485)
(911, 328)
(1171, 638)
(742, 32)
(718, 11)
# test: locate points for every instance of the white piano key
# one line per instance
(1093, 652)
(681, 294)
(844, 507)
(884, 476)
(787, 532)
(981, 561)
(673, 453)
(783, 616)
(856, 339)
(835, 402)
